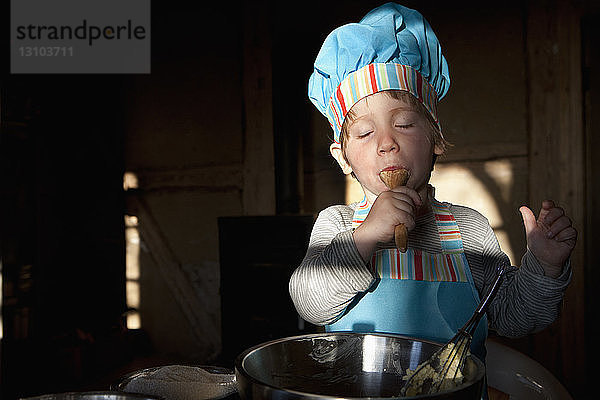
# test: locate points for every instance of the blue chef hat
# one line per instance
(392, 47)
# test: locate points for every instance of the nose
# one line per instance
(387, 143)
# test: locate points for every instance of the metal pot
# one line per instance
(318, 366)
(341, 365)
(102, 395)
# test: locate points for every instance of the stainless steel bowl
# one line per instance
(341, 365)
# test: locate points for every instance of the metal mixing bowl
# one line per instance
(341, 365)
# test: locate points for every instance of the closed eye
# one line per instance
(364, 134)
(404, 126)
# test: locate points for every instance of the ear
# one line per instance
(337, 153)
(437, 150)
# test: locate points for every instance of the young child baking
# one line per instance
(378, 83)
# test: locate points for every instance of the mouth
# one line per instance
(393, 168)
(394, 176)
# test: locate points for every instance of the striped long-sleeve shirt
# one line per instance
(333, 272)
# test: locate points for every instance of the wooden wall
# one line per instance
(557, 165)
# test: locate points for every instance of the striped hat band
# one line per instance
(375, 78)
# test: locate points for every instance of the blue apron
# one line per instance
(418, 294)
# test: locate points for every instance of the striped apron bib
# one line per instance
(418, 294)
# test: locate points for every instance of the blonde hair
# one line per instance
(435, 134)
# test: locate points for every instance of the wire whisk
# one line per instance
(444, 369)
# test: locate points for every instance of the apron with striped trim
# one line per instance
(416, 293)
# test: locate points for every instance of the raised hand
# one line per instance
(551, 237)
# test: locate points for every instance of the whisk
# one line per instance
(443, 370)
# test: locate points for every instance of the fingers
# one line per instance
(547, 207)
(547, 204)
(406, 213)
(549, 215)
(562, 231)
(413, 194)
(528, 219)
(400, 207)
(555, 224)
(567, 235)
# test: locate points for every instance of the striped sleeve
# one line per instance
(332, 272)
(527, 301)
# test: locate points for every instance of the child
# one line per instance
(378, 83)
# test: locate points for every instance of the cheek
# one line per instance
(423, 147)
(354, 154)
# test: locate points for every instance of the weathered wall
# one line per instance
(485, 117)
(184, 142)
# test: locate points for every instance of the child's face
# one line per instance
(386, 133)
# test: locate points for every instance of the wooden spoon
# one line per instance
(393, 179)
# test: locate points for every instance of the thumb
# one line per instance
(528, 219)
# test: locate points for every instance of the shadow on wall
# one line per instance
(496, 189)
